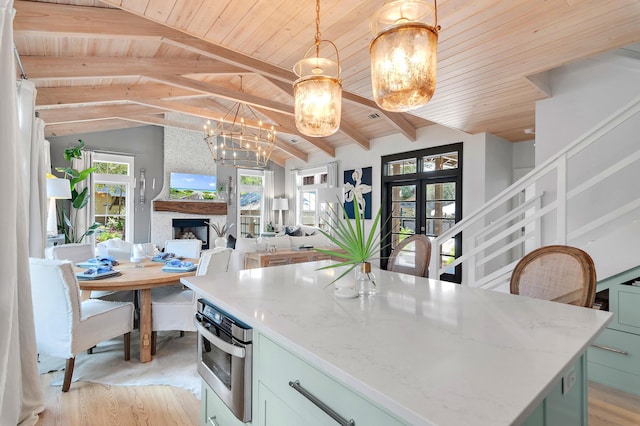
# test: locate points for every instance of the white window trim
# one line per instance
(128, 181)
(312, 187)
(253, 188)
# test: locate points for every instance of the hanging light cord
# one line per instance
(318, 35)
(435, 13)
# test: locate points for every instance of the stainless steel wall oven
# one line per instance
(225, 357)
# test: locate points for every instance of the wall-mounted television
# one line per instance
(191, 186)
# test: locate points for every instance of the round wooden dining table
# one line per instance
(141, 278)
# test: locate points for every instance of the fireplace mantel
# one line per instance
(191, 207)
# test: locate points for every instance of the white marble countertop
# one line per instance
(432, 352)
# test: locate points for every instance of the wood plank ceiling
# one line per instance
(111, 64)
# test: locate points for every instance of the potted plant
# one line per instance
(357, 249)
(79, 199)
(221, 231)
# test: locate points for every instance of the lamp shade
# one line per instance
(403, 56)
(317, 97)
(280, 204)
(59, 188)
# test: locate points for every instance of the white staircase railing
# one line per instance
(572, 198)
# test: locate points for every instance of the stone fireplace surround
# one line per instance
(184, 152)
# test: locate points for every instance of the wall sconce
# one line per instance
(143, 186)
(230, 191)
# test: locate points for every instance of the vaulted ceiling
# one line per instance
(112, 64)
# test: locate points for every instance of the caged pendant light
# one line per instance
(318, 90)
(240, 139)
(403, 55)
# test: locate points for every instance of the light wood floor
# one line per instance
(92, 404)
(95, 404)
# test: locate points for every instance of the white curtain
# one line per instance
(20, 395)
(84, 218)
(292, 213)
(269, 193)
(40, 166)
(332, 175)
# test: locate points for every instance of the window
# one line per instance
(422, 192)
(112, 192)
(251, 196)
(309, 206)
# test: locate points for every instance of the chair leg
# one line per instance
(127, 346)
(154, 338)
(68, 372)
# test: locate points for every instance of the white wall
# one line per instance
(474, 161)
(584, 94)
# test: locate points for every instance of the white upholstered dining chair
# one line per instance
(173, 308)
(64, 325)
(189, 248)
(73, 252)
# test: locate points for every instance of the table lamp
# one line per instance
(280, 204)
(57, 189)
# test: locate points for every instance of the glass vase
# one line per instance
(365, 280)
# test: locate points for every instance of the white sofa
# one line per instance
(281, 242)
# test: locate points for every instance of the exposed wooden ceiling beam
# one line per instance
(160, 121)
(63, 67)
(100, 112)
(222, 92)
(49, 97)
(34, 18)
(65, 129)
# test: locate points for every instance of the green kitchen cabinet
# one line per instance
(614, 357)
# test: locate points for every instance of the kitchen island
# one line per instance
(423, 351)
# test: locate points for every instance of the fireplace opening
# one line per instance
(191, 229)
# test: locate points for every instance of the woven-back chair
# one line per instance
(411, 256)
(559, 273)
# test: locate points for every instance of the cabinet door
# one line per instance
(316, 394)
(214, 411)
(272, 411)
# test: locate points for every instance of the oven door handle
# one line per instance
(232, 350)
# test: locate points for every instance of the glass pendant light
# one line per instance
(403, 55)
(318, 90)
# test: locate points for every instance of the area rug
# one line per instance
(174, 364)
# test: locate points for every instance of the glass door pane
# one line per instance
(440, 215)
(403, 212)
(111, 209)
(250, 213)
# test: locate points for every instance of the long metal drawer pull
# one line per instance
(321, 405)
(607, 348)
(213, 421)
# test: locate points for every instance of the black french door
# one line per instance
(422, 193)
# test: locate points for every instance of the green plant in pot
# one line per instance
(357, 249)
(67, 224)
